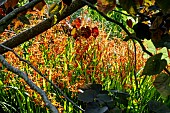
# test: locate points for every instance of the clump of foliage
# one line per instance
(97, 100)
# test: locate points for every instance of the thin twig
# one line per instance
(122, 13)
(141, 44)
(29, 82)
(135, 63)
(135, 75)
(39, 72)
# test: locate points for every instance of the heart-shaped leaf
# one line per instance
(142, 31)
(115, 110)
(96, 87)
(161, 83)
(87, 96)
(96, 109)
(158, 107)
(130, 6)
(129, 23)
(164, 5)
(103, 97)
(120, 94)
(11, 3)
(154, 65)
(106, 5)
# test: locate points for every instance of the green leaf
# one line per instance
(95, 108)
(154, 65)
(87, 96)
(164, 5)
(120, 94)
(115, 110)
(158, 107)
(1, 83)
(121, 97)
(111, 104)
(148, 2)
(103, 97)
(130, 6)
(54, 8)
(96, 87)
(161, 83)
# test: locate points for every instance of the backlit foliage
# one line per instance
(71, 61)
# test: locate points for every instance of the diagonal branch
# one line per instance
(39, 72)
(29, 82)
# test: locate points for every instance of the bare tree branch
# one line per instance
(39, 72)
(13, 14)
(29, 82)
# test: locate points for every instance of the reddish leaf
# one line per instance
(141, 2)
(2, 13)
(11, 3)
(106, 5)
(95, 32)
(129, 23)
(85, 32)
(40, 5)
(67, 2)
(17, 23)
(77, 23)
